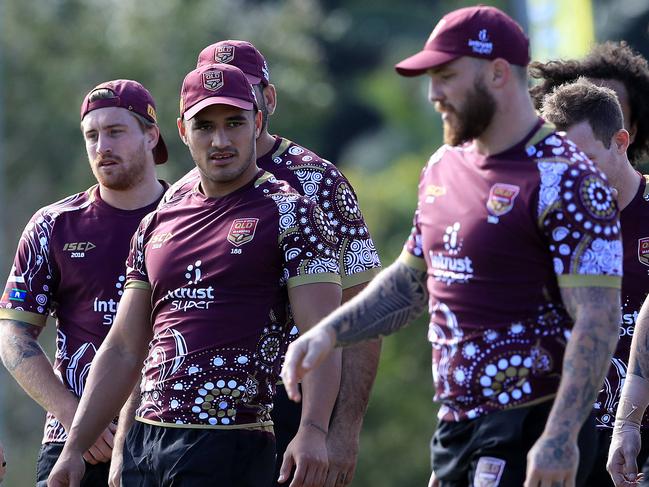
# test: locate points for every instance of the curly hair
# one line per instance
(609, 60)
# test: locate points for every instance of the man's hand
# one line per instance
(307, 452)
(303, 355)
(102, 450)
(622, 454)
(553, 460)
(342, 451)
(68, 470)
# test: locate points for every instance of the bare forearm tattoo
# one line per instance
(21, 343)
(394, 298)
(639, 358)
(596, 312)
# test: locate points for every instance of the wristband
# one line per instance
(633, 401)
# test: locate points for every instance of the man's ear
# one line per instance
(258, 123)
(621, 139)
(270, 97)
(181, 130)
(500, 72)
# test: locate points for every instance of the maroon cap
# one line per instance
(241, 54)
(482, 32)
(130, 95)
(214, 84)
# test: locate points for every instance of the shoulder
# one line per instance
(180, 188)
(69, 205)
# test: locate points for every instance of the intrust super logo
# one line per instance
(191, 295)
(448, 266)
(242, 231)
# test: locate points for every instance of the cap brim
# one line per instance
(422, 61)
(217, 100)
(253, 80)
(160, 154)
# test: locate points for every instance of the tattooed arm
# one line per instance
(394, 298)
(596, 313)
(25, 360)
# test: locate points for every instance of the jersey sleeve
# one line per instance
(359, 260)
(579, 217)
(412, 254)
(32, 281)
(136, 273)
(307, 242)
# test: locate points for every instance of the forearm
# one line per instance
(126, 420)
(359, 365)
(320, 389)
(25, 360)
(113, 376)
(639, 358)
(586, 360)
(393, 299)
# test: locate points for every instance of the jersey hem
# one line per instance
(362, 277)
(263, 426)
(325, 277)
(26, 316)
(574, 280)
(410, 260)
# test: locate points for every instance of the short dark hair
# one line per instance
(582, 101)
(609, 60)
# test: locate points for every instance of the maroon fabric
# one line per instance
(213, 84)
(132, 96)
(499, 235)
(70, 263)
(241, 54)
(635, 285)
(219, 271)
(482, 32)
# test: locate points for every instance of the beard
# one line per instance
(472, 119)
(123, 176)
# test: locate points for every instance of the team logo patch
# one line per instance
(501, 198)
(213, 80)
(488, 472)
(643, 251)
(224, 54)
(242, 231)
(16, 294)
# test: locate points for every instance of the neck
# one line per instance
(219, 189)
(143, 194)
(513, 120)
(264, 143)
(626, 184)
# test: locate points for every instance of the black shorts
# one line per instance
(157, 456)
(286, 416)
(599, 477)
(493, 448)
(95, 476)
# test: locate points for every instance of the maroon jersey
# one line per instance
(70, 263)
(218, 270)
(635, 285)
(499, 236)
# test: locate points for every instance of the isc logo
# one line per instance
(78, 249)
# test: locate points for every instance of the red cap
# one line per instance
(213, 84)
(241, 54)
(482, 32)
(130, 95)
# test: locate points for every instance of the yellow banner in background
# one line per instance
(560, 29)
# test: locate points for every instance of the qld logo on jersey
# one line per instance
(643, 250)
(242, 231)
(501, 200)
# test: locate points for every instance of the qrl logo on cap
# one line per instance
(242, 231)
(213, 80)
(224, 54)
(643, 251)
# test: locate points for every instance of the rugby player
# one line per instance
(516, 249)
(592, 118)
(210, 275)
(70, 263)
